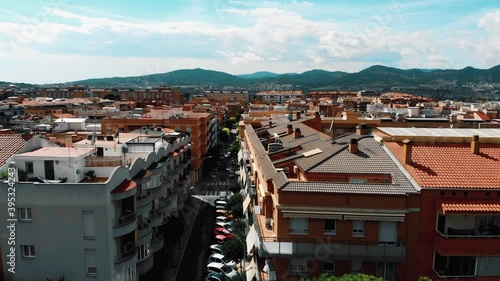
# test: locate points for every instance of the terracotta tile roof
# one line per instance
(452, 165)
(10, 144)
(482, 116)
(488, 208)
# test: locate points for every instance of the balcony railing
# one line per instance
(128, 251)
(103, 161)
(442, 273)
(125, 219)
(272, 246)
(491, 233)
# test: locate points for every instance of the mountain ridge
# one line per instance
(372, 77)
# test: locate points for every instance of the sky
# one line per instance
(51, 41)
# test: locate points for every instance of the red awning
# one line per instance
(469, 208)
(126, 185)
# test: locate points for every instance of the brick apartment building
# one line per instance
(329, 207)
(202, 127)
(458, 172)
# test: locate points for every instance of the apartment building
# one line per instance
(321, 206)
(458, 172)
(202, 128)
(279, 96)
(96, 211)
(9, 110)
(228, 95)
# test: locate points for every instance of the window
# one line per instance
(24, 214)
(358, 181)
(358, 228)
(386, 270)
(330, 226)
(388, 232)
(356, 266)
(329, 267)
(298, 225)
(144, 251)
(88, 225)
(90, 261)
(28, 251)
(29, 167)
(297, 265)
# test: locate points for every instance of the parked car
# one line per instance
(232, 174)
(221, 231)
(223, 219)
(221, 259)
(226, 225)
(216, 249)
(212, 276)
(216, 267)
(220, 207)
(221, 239)
(223, 213)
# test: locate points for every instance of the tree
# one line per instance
(225, 133)
(233, 249)
(345, 277)
(235, 205)
(235, 146)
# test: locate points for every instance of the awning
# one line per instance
(469, 208)
(246, 203)
(252, 239)
(126, 185)
(376, 217)
(311, 215)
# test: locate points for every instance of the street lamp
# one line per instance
(243, 248)
(201, 167)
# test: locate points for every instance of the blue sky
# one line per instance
(49, 41)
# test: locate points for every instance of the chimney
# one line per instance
(407, 151)
(297, 133)
(474, 144)
(353, 146)
(289, 129)
(298, 115)
(270, 124)
(317, 116)
(361, 129)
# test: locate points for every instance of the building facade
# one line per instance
(321, 206)
(97, 211)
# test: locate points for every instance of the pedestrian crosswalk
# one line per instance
(216, 183)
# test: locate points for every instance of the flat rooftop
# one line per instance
(57, 152)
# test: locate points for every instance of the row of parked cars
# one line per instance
(220, 267)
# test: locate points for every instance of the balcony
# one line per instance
(144, 265)
(157, 242)
(157, 217)
(143, 204)
(470, 245)
(144, 233)
(124, 224)
(103, 161)
(271, 246)
(128, 254)
(467, 235)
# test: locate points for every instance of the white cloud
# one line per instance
(240, 57)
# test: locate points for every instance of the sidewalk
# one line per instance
(174, 252)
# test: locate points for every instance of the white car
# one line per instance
(218, 267)
(216, 249)
(221, 259)
(226, 225)
(223, 219)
